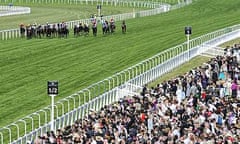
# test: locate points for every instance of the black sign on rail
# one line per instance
(188, 30)
(52, 87)
(99, 7)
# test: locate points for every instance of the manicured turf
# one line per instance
(42, 13)
(26, 65)
(181, 70)
(231, 43)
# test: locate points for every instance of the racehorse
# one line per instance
(33, 30)
(76, 30)
(81, 29)
(124, 27)
(105, 27)
(29, 32)
(86, 30)
(112, 27)
(54, 31)
(48, 30)
(63, 31)
(94, 29)
(40, 31)
(22, 30)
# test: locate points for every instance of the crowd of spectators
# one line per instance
(201, 106)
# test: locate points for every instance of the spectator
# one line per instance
(199, 107)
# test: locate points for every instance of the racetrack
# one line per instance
(42, 13)
(26, 65)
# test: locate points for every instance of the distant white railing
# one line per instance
(158, 8)
(118, 85)
(135, 3)
(15, 33)
(213, 51)
(13, 10)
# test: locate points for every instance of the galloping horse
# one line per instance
(81, 29)
(112, 27)
(63, 31)
(22, 30)
(29, 32)
(76, 30)
(86, 29)
(124, 27)
(54, 30)
(106, 28)
(94, 29)
(48, 30)
(40, 31)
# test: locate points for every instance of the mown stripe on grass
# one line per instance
(80, 62)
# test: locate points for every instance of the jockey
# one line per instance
(94, 25)
(64, 25)
(103, 22)
(39, 26)
(48, 25)
(92, 19)
(28, 26)
(112, 20)
(21, 25)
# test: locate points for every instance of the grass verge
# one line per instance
(186, 67)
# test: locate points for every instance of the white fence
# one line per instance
(135, 3)
(13, 10)
(115, 87)
(158, 8)
(15, 33)
(213, 51)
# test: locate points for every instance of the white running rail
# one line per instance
(116, 86)
(13, 10)
(157, 9)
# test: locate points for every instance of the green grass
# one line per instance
(42, 13)
(26, 65)
(58, 12)
(231, 43)
(186, 67)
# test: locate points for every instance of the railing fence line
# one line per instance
(147, 71)
(13, 10)
(157, 8)
(103, 2)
